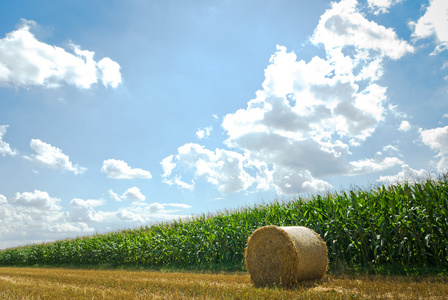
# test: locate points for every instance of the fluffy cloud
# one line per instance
(110, 71)
(437, 140)
(382, 6)
(165, 208)
(406, 174)
(2, 199)
(84, 210)
(52, 157)
(167, 166)
(405, 126)
(5, 149)
(433, 23)
(119, 169)
(25, 61)
(178, 181)
(379, 163)
(114, 196)
(37, 199)
(133, 193)
(302, 101)
(300, 126)
(222, 168)
(343, 25)
(128, 215)
(154, 212)
(204, 132)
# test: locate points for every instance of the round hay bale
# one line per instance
(285, 255)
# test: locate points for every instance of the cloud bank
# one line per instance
(35, 217)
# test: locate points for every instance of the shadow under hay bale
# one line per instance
(284, 256)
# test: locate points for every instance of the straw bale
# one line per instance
(283, 256)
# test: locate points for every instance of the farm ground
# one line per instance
(39, 283)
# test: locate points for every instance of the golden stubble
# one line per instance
(37, 283)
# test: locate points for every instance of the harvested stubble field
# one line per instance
(38, 283)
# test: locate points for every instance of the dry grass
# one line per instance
(33, 283)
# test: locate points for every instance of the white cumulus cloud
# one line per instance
(165, 208)
(343, 25)
(52, 157)
(180, 183)
(5, 148)
(119, 169)
(405, 126)
(222, 168)
(113, 195)
(406, 174)
(434, 23)
(437, 140)
(3, 199)
(378, 163)
(26, 61)
(84, 210)
(110, 71)
(37, 199)
(204, 132)
(133, 193)
(382, 6)
(301, 125)
(167, 165)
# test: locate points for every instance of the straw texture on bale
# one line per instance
(285, 255)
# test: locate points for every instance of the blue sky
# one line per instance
(118, 114)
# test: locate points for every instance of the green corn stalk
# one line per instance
(402, 224)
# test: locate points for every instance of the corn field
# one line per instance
(402, 224)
